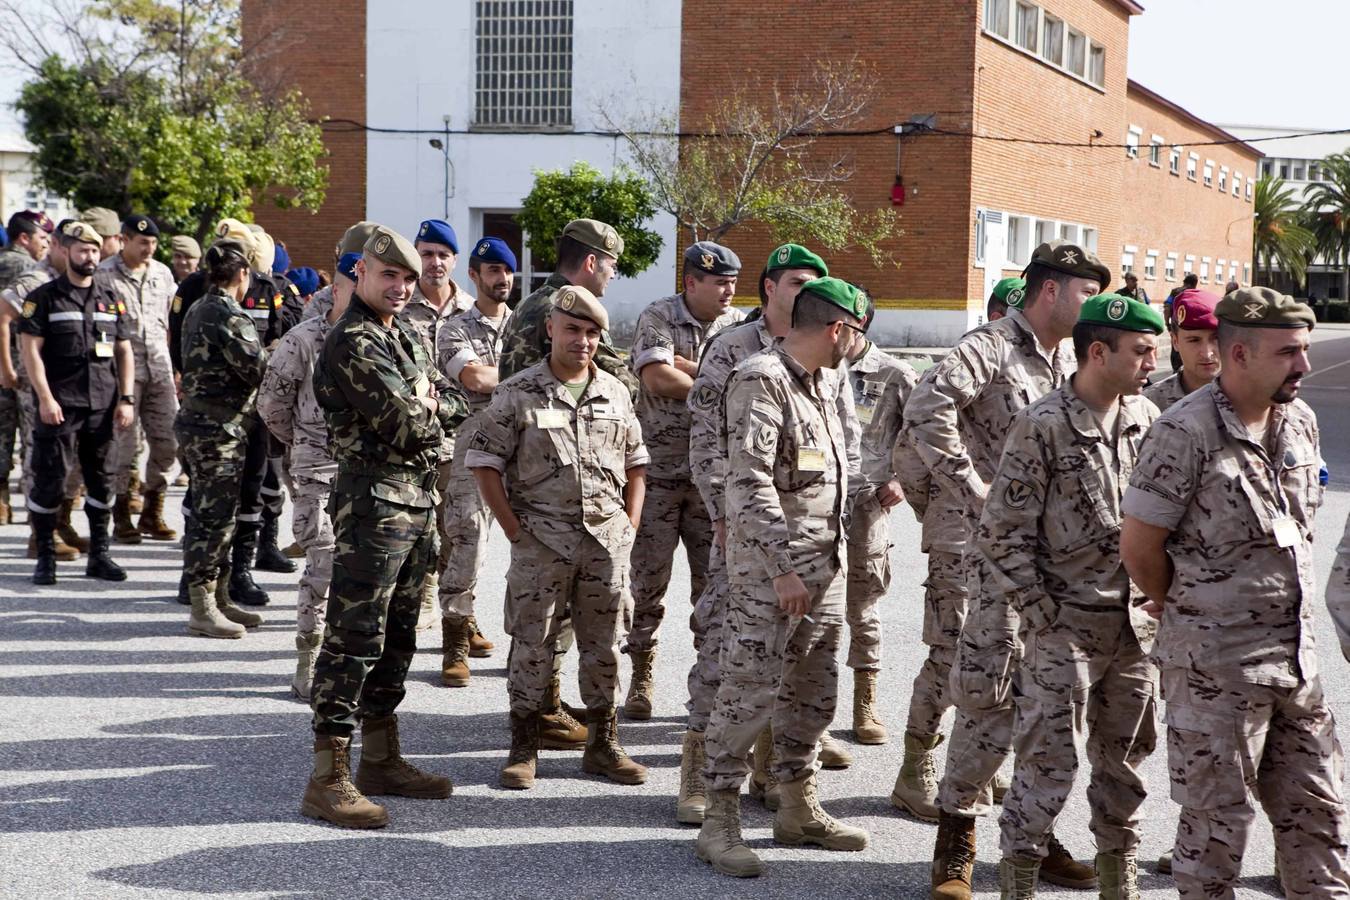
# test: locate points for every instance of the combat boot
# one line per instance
(228, 609)
(383, 769)
(953, 857)
(604, 755)
(1017, 878)
(307, 645)
(832, 754)
(64, 552)
(455, 651)
(134, 503)
(124, 530)
(100, 564)
(867, 728)
(1118, 876)
(294, 551)
(1165, 863)
(269, 556)
(206, 620)
(1060, 868)
(638, 706)
(763, 787)
(183, 589)
(916, 786)
(243, 590)
(6, 510)
(66, 531)
(558, 730)
(152, 523)
(692, 802)
(801, 820)
(518, 773)
(44, 545)
(330, 794)
(999, 787)
(719, 841)
(479, 646)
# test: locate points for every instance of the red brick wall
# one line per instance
(319, 48)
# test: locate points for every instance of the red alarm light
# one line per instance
(898, 192)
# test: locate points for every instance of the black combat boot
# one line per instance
(242, 589)
(270, 558)
(183, 597)
(100, 564)
(44, 540)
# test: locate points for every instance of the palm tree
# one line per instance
(1327, 207)
(1280, 240)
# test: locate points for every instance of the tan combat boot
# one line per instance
(330, 794)
(999, 787)
(832, 754)
(307, 644)
(867, 728)
(64, 552)
(558, 730)
(953, 858)
(720, 842)
(228, 609)
(1059, 867)
(383, 770)
(693, 798)
(604, 755)
(65, 532)
(763, 787)
(455, 651)
(6, 510)
(916, 786)
(1017, 878)
(479, 646)
(205, 619)
(518, 773)
(1118, 875)
(134, 501)
(294, 551)
(152, 523)
(638, 706)
(800, 820)
(124, 530)
(1165, 863)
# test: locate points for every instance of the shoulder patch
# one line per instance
(29, 309)
(1017, 494)
(178, 304)
(276, 300)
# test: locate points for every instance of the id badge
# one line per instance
(1287, 533)
(810, 459)
(551, 418)
(103, 349)
(864, 413)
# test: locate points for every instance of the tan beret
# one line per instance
(181, 243)
(354, 239)
(596, 235)
(264, 251)
(104, 220)
(581, 303)
(391, 247)
(1263, 307)
(82, 232)
(233, 228)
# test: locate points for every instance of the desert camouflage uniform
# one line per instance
(14, 263)
(672, 511)
(565, 465)
(147, 298)
(469, 338)
(1245, 710)
(320, 304)
(1166, 392)
(957, 419)
(786, 497)
(1050, 541)
(288, 407)
(368, 380)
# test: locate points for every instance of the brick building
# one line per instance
(1028, 105)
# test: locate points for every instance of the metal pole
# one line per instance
(446, 191)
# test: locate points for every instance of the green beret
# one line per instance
(393, 248)
(1071, 259)
(354, 238)
(795, 256)
(1263, 307)
(580, 303)
(596, 235)
(840, 293)
(1011, 291)
(104, 220)
(1125, 313)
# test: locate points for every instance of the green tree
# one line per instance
(1279, 240)
(621, 200)
(1327, 207)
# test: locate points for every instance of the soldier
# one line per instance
(1217, 531)
(467, 354)
(563, 436)
(288, 407)
(957, 419)
(29, 236)
(387, 409)
(670, 337)
(1009, 292)
(786, 500)
(78, 359)
(881, 386)
(1195, 339)
(145, 289)
(187, 256)
(109, 227)
(1048, 541)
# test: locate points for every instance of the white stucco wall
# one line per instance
(420, 66)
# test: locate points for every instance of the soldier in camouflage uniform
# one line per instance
(957, 419)
(29, 236)
(786, 499)
(387, 409)
(1217, 531)
(563, 436)
(1195, 338)
(1049, 541)
(223, 362)
(467, 355)
(670, 337)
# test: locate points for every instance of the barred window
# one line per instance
(524, 50)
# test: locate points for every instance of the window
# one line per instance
(1097, 65)
(981, 236)
(1052, 39)
(1045, 231)
(996, 17)
(1218, 271)
(1126, 262)
(1284, 169)
(1090, 240)
(524, 57)
(1209, 173)
(1068, 232)
(1246, 273)
(1174, 161)
(1155, 145)
(1249, 189)
(1313, 172)
(1028, 26)
(1223, 179)
(1019, 240)
(1232, 271)
(1132, 141)
(1170, 268)
(1237, 184)
(1075, 57)
(1267, 167)
(1204, 270)
(1300, 171)
(1192, 164)
(1190, 265)
(1151, 265)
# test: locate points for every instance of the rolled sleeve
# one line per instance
(479, 459)
(1151, 509)
(653, 355)
(456, 362)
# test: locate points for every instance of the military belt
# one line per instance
(210, 408)
(359, 482)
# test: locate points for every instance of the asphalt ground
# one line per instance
(137, 761)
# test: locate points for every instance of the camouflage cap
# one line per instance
(578, 302)
(1119, 311)
(233, 228)
(389, 246)
(81, 232)
(1072, 259)
(795, 256)
(714, 259)
(1263, 307)
(181, 243)
(354, 238)
(104, 220)
(596, 235)
(1011, 291)
(840, 293)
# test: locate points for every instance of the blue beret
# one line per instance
(438, 231)
(305, 279)
(281, 260)
(495, 250)
(347, 265)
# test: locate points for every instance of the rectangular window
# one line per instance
(1300, 171)
(1192, 164)
(1045, 231)
(1097, 65)
(996, 17)
(1223, 179)
(1170, 268)
(1267, 167)
(1151, 265)
(1246, 273)
(1155, 146)
(1204, 270)
(981, 236)
(1068, 232)
(1313, 172)
(1250, 183)
(1232, 271)
(1237, 184)
(1209, 173)
(1218, 270)
(1075, 56)
(1028, 26)
(1090, 240)
(1052, 40)
(1126, 262)
(1284, 169)
(1190, 265)
(1174, 161)
(524, 64)
(1019, 240)
(1132, 141)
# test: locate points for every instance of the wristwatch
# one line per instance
(128, 399)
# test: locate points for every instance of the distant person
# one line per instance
(1133, 290)
(1189, 283)
(1231, 286)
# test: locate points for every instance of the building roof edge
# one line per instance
(1133, 86)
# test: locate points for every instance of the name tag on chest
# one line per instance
(810, 459)
(864, 413)
(103, 349)
(1286, 532)
(552, 418)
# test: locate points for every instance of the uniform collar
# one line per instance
(1084, 420)
(1232, 423)
(869, 362)
(808, 380)
(559, 391)
(451, 307)
(1019, 321)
